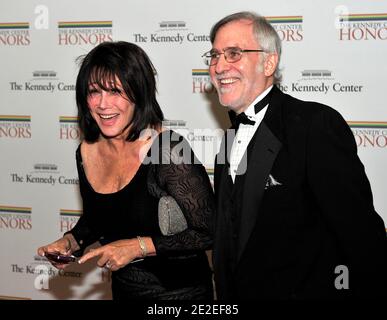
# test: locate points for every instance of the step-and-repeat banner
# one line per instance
(334, 52)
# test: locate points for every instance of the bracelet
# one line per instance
(144, 251)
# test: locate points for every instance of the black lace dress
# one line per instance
(180, 270)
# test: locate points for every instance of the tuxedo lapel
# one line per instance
(265, 149)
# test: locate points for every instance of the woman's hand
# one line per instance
(63, 246)
(117, 254)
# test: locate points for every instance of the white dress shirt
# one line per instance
(244, 136)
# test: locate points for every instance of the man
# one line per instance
(295, 216)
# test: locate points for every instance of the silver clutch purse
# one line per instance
(171, 218)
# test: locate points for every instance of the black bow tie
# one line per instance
(237, 119)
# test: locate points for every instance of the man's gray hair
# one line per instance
(265, 34)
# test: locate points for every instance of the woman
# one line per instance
(119, 170)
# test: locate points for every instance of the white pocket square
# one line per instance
(272, 182)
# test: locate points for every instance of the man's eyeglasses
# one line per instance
(231, 54)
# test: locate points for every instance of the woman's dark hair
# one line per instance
(132, 66)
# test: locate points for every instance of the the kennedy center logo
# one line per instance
(75, 33)
(320, 81)
(369, 134)
(171, 32)
(289, 28)
(42, 81)
(15, 126)
(15, 34)
(201, 82)
(68, 219)
(15, 218)
(68, 128)
(363, 26)
(43, 173)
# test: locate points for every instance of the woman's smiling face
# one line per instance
(111, 108)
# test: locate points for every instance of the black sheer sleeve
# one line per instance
(83, 233)
(182, 176)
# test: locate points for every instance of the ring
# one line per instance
(108, 265)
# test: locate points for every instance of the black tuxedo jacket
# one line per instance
(307, 212)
